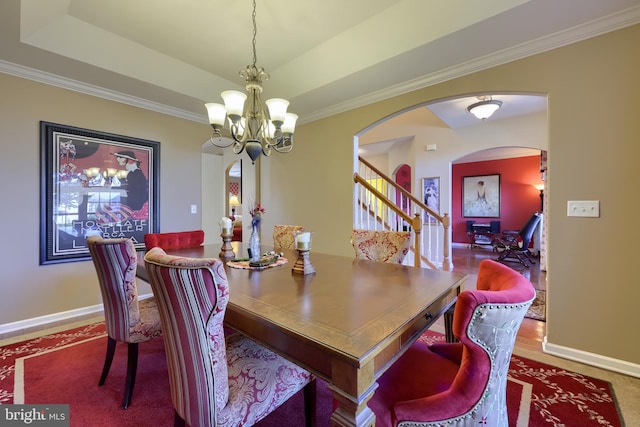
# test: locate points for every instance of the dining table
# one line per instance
(346, 322)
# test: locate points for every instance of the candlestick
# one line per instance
(303, 264)
(226, 251)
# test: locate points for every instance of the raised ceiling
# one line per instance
(326, 57)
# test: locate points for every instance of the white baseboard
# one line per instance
(602, 362)
(42, 322)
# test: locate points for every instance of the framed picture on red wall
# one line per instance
(481, 196)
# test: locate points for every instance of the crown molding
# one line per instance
(88, 89)
(594, 28)
(572, 35)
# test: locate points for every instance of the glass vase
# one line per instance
(254, 244)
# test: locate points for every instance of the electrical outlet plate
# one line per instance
(584, 208)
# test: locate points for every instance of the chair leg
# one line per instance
(111, 349)
(310, 404)
(132, 366)
(448, 324)
(178, 421)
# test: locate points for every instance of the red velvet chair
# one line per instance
(463, 383)
(175, 240)
(126, 319)
(216, 381)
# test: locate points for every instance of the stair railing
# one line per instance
(375, 197)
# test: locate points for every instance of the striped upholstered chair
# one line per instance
(461, 384)
(381, 246)
(283, 237)
(216, 381)
(126, 318)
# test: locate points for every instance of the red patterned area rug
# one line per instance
(65, 367)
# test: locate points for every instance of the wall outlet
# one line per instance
(585, 208)
(194, 209)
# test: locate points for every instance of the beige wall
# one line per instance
(593, 147)
(593, 88)
(28, 289)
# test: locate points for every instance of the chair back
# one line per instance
(116, 262)
(486, 321)
(174, 240)
(527, 231)
(382, 246)
(192, 296)
(283, 237)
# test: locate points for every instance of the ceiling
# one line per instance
(325, 57)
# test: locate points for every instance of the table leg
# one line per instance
(348, 413)
(352, 388)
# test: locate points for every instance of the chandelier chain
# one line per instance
(255, 32)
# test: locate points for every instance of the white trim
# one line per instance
(592, 359)
(88, 89)
(48, 320)
(616, 21)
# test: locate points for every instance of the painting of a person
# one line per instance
(481, 196)
(482, 192)
(431, 198)
(136, 183)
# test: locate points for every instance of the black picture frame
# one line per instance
(94, 182)
(481, 196)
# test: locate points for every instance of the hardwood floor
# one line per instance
(467, 260)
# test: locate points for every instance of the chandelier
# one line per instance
(485, 107)
(254, 128)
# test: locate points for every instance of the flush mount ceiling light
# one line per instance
(485, 107)
(255, 128)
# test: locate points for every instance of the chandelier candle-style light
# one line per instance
(254, 128)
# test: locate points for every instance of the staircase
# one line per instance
(381, 204)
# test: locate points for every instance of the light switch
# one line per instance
(585, 208)
(194, 209)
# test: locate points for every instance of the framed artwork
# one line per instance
(431, 196)
(94, 183)
(481, 196)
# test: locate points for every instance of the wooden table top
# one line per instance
(349, 305)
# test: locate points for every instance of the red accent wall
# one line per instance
(403, 179)
(518, 198)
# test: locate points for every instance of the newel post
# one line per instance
(447, 265)
(416, 224)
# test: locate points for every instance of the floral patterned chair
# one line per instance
(382, 246)
(127, 319)
(216, 381)
(283, 237)
(462, 383)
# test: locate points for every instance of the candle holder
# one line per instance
(303, 264)
(226, 251)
